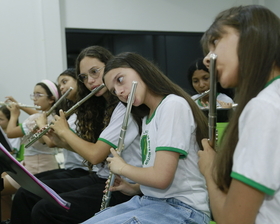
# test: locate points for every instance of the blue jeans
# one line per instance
(150, 210)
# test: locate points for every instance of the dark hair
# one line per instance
(158, 84)
(258, 51)
(199, 65)
(195, 65)
(93, 115)
(6, 112)
(49, 93)
(90, 115)
(71, 72)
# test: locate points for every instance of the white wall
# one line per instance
(32, 38)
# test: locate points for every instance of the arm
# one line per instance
(14, 131)
(25, 109)
(158, 176)
(242, 202)
(93, 152)
(41, 122)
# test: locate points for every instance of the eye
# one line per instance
(120, 79)
(206, 78)
(83, 76)
(93, 71)
(194, 81)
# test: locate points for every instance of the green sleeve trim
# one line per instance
(22, 128)
(73, 131)
(252, 183)
(107, 142)
(183, 154)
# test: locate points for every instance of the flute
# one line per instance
(107, 196)
(202, 95)
(26, 137)
(21, 105)
(212, 115)
(68, 113)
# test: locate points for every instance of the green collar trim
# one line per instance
(148, 120)
(271, 81)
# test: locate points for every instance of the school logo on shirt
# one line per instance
(145, 147)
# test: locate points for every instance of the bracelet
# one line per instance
(122, 168)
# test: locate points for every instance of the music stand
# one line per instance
(23, 177)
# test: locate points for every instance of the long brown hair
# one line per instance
(94, 115)
(258, 51)
(159, 84)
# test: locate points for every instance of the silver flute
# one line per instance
(107, 196)
(212, 115)
(21, 105)
(48, 113)
(202, 95)
(68, 113)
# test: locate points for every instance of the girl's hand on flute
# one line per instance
(224, 104)
(116, 163)
(10, 99)
(60, 124)
(123, 186)
(206, 158)
(14, 109)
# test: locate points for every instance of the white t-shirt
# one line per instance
(15, 143)
(37, 148)
(172, 128)
(256, 157)
(221, 97)
(73, 160)
(110, 135)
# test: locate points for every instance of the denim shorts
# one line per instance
(150, 210)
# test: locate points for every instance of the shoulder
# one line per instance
(174, 103)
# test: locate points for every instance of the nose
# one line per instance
(90, 79)
(206, 60)
(61, 88)
(119, 91)
(201, 83)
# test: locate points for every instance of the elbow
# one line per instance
(163, 184)
(95, 159)
(10, 134)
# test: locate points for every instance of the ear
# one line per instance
(51, 100)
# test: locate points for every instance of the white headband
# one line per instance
(52, 88)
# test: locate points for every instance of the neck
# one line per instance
(152, 101)
(274, 73)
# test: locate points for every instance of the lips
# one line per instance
(94, 87)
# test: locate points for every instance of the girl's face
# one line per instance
(200, 81)
(227, 64)
(64, 83)
(92, 70)
(3, 121)
(41, 98)
(119, 82)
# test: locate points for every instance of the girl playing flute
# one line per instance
(244, 180)
(99, 121)
(174, 190)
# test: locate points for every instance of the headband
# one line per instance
(52, 88)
